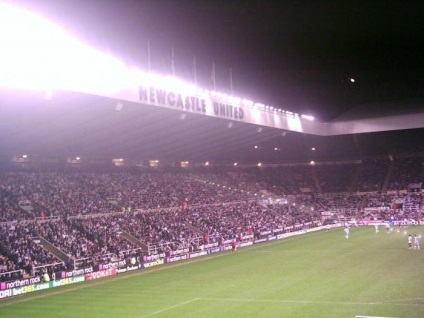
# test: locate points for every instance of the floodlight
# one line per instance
(308, 117)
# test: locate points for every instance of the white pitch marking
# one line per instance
(309, 301)
(169, 308)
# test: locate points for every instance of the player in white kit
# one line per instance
(346, 230)
(416, 242)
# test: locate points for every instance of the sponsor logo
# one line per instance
(68, 281)
(193, 255)
(214, 250)
(5, 293)
(155, 263)
(178, 252)
(126, 269)
(42, 286)
(76, 272)
(21, 283)
(117, 264)
(177, 258)
(149, 258)
(210, 245)
(101, 274)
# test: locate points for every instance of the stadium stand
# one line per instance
(67, 218)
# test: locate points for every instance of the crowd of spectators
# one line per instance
(10, 210)
(84, 214)
(406, 171)
(20, 251)
(371, 175)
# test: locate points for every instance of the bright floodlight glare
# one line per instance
(37, 54)
(48, 95)
(294, 122)
(308, 117)
(352, 80)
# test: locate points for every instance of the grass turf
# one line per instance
(314, 275)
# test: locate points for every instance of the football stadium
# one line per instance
(157, 187)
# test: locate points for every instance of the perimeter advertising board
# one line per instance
(40, 286)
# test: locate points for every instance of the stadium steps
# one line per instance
(51, 248)
(38, 208)
(13, 202)
(134, 240)
(388, 176)
(194, 229)
(316, 181)
(355, 180)
(363, 203)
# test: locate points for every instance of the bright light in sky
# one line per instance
(308, 117)
(294, 123)
(37, 54)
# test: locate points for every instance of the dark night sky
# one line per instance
(297, 55)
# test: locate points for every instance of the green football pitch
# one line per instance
(319, 274)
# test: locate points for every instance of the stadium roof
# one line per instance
(336, 62)
(298, 55)
(74, 124)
